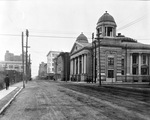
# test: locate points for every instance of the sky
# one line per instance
(55, 24)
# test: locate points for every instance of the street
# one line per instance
(48, 100)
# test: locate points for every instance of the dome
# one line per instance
(106, 17)
(82, 38)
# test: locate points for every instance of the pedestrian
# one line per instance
(6, 81)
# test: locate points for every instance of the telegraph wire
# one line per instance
(46, 36)
(132, 23)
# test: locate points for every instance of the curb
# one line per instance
(8, 103)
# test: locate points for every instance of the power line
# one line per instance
(46, 36)
(132, 23)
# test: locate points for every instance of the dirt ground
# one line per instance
(43, 100)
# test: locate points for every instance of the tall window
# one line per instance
(134, 71)
(144, 59)
(122, 65)
(109, 31)
(122, 62)
(134, 59)
(110, 61)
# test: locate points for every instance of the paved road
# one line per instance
(42, 100)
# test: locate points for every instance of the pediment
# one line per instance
(77, 46)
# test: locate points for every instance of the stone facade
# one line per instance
(122, 59)
(80, 59)
(110, 57)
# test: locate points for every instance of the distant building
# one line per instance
(42, 70)
(50, 63)
(62, 66)
(11, 65)
(11, 57)
(12, 62)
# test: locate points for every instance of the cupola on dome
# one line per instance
(106, 18)
(82, 38)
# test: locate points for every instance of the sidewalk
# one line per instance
(7, 96)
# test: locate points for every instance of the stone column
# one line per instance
(82, 64)
(71, 67)
(74, 66)
(79, 65)
(106, 31)
(85, 63)
(131, 61)
(139, 65)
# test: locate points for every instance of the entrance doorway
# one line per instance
(110, 76)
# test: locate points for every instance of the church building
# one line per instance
(110, 57)
(80, 59)
(122, 59)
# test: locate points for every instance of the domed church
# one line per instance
(80, 59)
(110, 57)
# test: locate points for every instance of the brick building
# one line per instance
(62, 66)
(42, 70)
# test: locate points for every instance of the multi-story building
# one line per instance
(11, 65)
(11, 57)
(110, 57)
(42, 70)
(62, 66)
(50, 63)
(12, 62)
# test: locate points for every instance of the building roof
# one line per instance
(82, 38)
(137, 45)
(123, 42)
(53, 52)
(106, 18)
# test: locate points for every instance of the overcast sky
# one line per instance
(63, 20)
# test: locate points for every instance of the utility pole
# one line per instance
(126, 64)
(92, 56)
(23, 61)
(29, 66)
(98, 38)
(27, 72)
(65, 62)
(99, 63)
